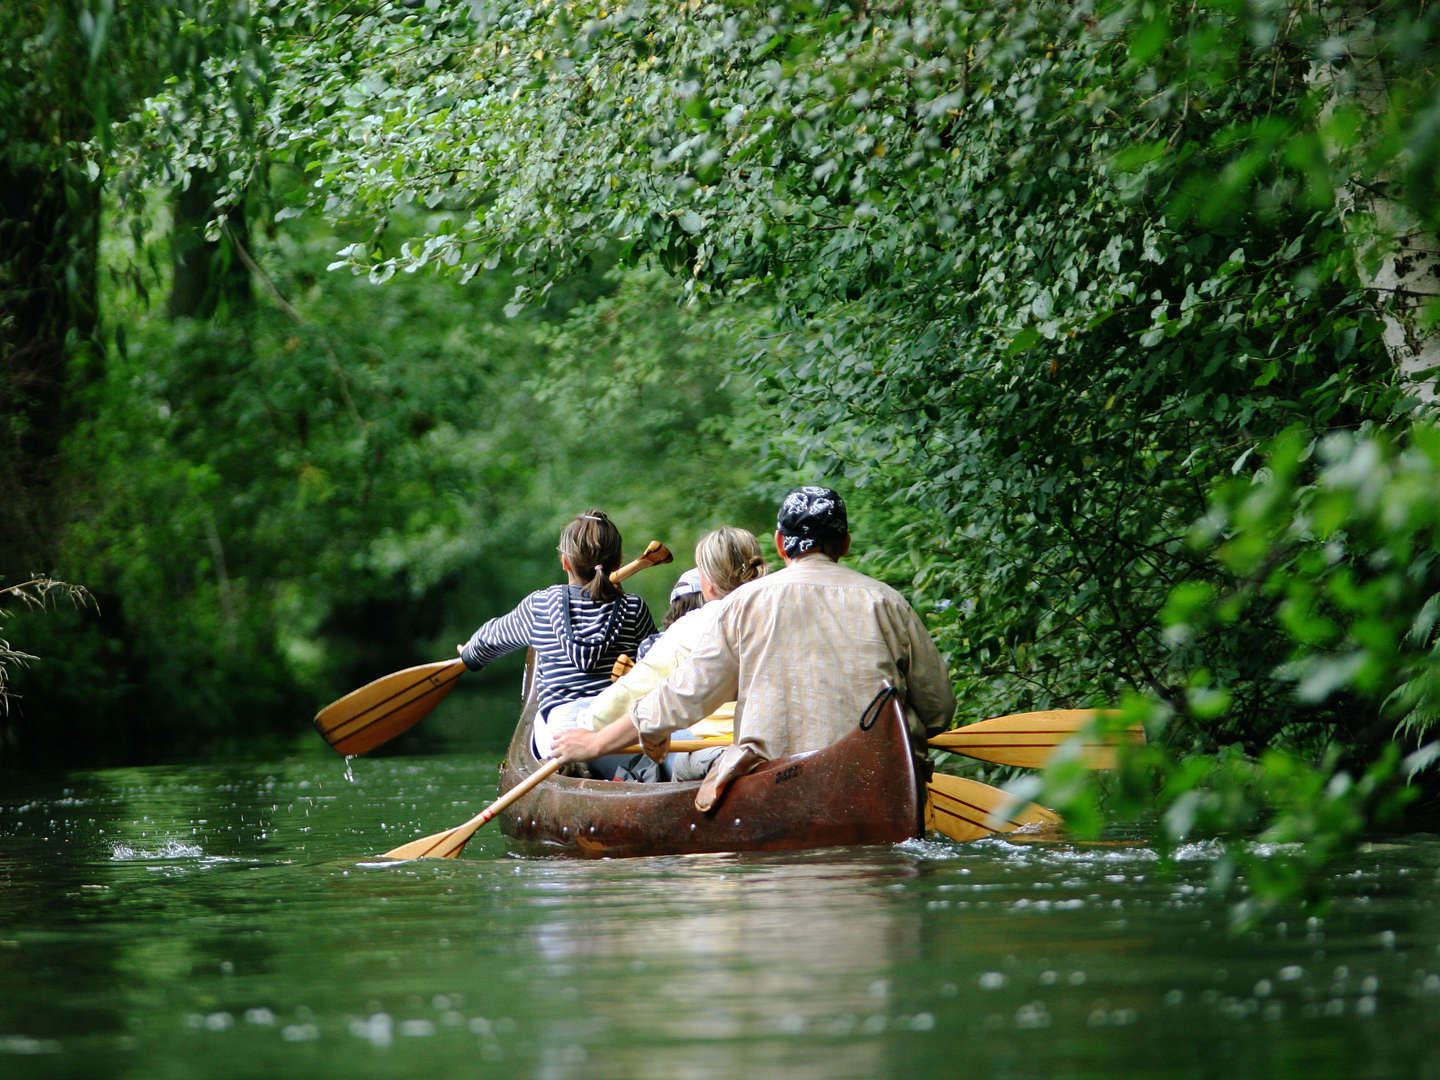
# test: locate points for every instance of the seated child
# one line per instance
(577, 630)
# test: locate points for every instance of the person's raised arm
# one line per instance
(500, 635)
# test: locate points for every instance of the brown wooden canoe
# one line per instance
(860, 790)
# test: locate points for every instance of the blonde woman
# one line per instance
(725, 559)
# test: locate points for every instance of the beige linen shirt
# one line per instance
(803, 651)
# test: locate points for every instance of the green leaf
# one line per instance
(1148, 39)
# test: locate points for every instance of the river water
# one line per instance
(231, 921)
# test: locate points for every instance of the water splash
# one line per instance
(171, 849)
(349, 773)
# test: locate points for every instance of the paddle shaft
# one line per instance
(1025, 739)
(547, 769)
(678, 746)
(447, 845)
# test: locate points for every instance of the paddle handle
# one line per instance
(655, 553)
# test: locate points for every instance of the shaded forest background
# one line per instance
(1115, 323)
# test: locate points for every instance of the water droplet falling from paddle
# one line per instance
(349, 775)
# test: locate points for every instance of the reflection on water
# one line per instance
(233, 922)
(745, 955)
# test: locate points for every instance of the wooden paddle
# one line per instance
(1028, 739)
(374, 714)
(1025, 740)
(967, 809)
(654, 554)
(448, 844)
(380, 710)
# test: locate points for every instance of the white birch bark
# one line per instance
(1397, 259)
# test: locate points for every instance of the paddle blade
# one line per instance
(966, 809)
(447, 845)
(378, 711)
(441, 845)
(1028, 739)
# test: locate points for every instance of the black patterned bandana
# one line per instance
(809, 516)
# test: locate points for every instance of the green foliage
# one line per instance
(67, 69)
(995, 289)
(1279, 821)
(647, 388)
(306, 499)
(1330, 549)
(1025, 278)
(1333, 549)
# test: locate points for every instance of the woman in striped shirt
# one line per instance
(577, 630)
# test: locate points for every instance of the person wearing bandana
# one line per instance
(801, 652)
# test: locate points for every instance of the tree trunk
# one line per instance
(49, 246)
(208, 276)
(1396, 257)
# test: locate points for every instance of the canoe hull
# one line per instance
(860, 790)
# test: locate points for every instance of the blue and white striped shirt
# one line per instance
(576, 639)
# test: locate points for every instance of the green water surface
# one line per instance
(208, 921)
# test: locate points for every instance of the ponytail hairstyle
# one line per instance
(728, 557)
(591, 545)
